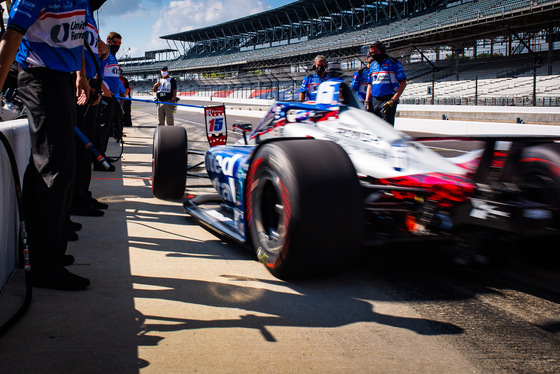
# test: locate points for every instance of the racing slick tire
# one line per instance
(304, 207)
(539, 169)
(169, 162)
(539, 176)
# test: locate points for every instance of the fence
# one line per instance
(289, 90)
(495, 101)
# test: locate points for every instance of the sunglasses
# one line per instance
(116, 42)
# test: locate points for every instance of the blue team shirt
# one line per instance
(111, 75)
(53, 33)
(360, 83)
(311, 83)
(92, 39)
(385, 78)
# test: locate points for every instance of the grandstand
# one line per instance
(469, 49)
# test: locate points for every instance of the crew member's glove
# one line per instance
(367, 105)
(388, 104)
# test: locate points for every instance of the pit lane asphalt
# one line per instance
(169, 296)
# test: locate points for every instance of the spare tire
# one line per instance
(169, 162)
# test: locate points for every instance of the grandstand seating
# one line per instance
(421, 23)
(512, 78)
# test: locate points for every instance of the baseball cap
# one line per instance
(164, 67)
(379, 45)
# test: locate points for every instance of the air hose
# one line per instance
(23, 244)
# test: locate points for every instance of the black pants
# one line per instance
(376, 106)
(117, 121)
(87, 121)
(50, 99)
(127, 116)
(105, 128)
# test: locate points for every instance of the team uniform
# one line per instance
(91, 37)
(127, 104)
(384, 79)
(165, 93)
(87, 119)
(112, 78)
(360, 83)
(49, 55)
(310, 85)
(111, 114)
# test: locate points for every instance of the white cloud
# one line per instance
(182, 15)
(147, 20)
(185, 15)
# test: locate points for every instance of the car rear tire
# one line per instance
(169, 162)
(539, 177)
(539, 171)
(304, 207)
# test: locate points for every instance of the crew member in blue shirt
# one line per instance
(311, 82)
(112, 86)
(46, 37)
(386, 84)
(360, 80)
(83, 203)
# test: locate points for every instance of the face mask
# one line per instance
(96, 4)
(320, 69)
(379, 58)
(164, 73)
(114, 49)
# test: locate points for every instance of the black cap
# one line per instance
(164, 67)
(379, 45)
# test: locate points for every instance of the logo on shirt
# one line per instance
(68, 31)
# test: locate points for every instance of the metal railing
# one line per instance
(494, 101)
(289, 90)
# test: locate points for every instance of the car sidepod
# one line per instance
(224, 211)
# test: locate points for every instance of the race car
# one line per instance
(315, 183)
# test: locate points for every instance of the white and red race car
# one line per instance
(315, 183)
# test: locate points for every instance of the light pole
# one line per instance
(434, 68)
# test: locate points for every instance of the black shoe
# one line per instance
(66, 260)
(98, 167)
(72, 236)
(87, 211)
(75, 226)
(98, 204)
(59, 278)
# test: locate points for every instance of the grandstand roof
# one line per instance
(263, 44)
(301, 14)
(162, 50)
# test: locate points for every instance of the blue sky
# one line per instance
(142, 22)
